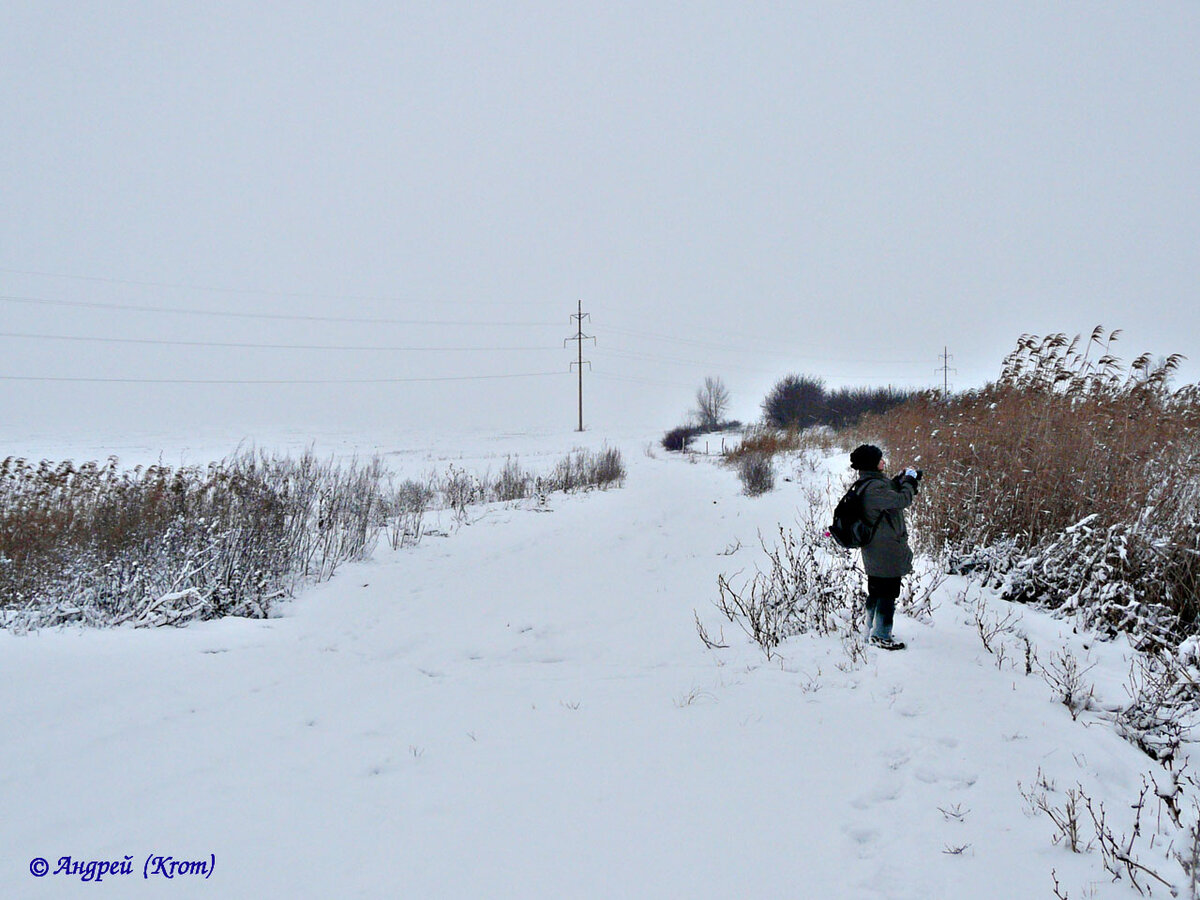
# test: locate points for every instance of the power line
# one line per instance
(649, 357)
(94, 380)
(804, 359)
(664, 337)
(128, 307)
(709, 364)
(723, 343)
(254, 291)
(653, 381)
(794, 350)
(251, 346)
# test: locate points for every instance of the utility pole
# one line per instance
(579, 337)
(945, 369)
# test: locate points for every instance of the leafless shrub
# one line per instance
(582, 469)
(1117, 850)
(692, 697)
(1044, 782)
(855, 653)
(409, 502)
(606, 468)
(1188, 855)
(513, 482)
(710, 643)
(1065, 676)
(990, 626)
(918, 590)
(811, 683)
(955, 813)
(459, 489)
(803, 588)
(1065, 817)
(756, 472)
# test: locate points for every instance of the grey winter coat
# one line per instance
(888, 554)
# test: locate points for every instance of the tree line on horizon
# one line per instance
(795, 403)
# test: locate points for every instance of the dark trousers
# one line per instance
(881, 604)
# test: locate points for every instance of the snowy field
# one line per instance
(523, 708)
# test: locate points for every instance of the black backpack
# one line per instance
(850, 528)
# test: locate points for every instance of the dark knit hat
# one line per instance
(866, 458)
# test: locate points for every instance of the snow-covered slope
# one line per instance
(523, 709)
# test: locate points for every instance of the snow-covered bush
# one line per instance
(1099, 574)
(1164, 690)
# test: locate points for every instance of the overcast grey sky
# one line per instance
(741, 189)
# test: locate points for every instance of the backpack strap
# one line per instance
(860, 488)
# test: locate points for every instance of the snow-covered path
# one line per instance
(523, 709)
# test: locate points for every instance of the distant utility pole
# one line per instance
(579, 337)
(945, 369)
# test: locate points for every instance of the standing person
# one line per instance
(886, 557)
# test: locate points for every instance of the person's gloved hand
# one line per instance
(908, 476)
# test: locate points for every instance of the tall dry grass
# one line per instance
(100, 545)
(97, 544)
(767, 441)
(1075, 477)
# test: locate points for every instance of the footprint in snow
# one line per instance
(897, 759)
(954, 779)
(883, 793)
(863, 839)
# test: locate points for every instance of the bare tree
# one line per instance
(712, 402)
